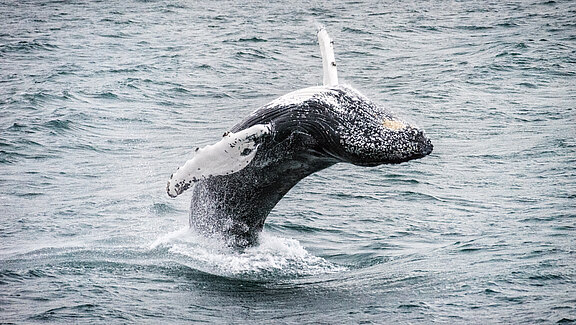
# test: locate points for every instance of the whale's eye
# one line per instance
(246, 152)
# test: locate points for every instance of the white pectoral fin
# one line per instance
(328, 59)
(229, 155)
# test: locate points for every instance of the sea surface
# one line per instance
(100, 101)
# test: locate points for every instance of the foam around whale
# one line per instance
(275, 257)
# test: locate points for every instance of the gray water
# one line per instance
(100, 101)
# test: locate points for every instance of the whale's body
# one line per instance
(238, 181)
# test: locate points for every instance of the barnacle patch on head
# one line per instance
(229, 155)
(393, 125)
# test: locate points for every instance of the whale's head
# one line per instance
(346, 126)
(369, 134)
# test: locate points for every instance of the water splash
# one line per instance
(274, 258)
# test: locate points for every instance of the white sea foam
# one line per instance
(274, 257)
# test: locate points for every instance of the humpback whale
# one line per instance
(236, 182)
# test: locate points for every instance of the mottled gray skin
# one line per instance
(339, 125)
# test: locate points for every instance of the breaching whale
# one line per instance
(237, 181)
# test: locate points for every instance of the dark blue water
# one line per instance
(101, 101)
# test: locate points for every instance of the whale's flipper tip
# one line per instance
(328, 59)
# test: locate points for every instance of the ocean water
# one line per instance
(100, 101)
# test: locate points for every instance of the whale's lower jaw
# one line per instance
(425, 149)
